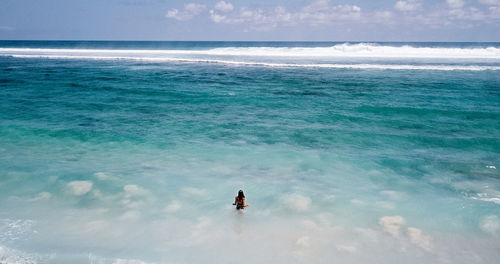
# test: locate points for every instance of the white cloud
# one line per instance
(382, 16)
(194, 8)
(173, 13)
(455, 4)
(474, 14)
(190, 10)
(281, 14)
(326, 12)
(6, 28)
(316, 13)
(409, 5)
(457, 15)
(494, 11)
(470, 13)
(218, 18)
(80, 187)
(490, 2)
(224, 6)
(494, 8)
(323, 12)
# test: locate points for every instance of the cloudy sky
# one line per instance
(309, 20)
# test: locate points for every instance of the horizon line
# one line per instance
(256, 41)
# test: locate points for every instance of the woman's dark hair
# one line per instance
(240, 194)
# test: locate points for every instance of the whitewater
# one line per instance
(424, 58)
(133, 152)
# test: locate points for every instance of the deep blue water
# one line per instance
(132, 152)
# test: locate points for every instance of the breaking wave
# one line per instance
(343, 56)
(278, 65)
(361, 50)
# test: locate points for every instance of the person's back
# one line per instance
(239, 200)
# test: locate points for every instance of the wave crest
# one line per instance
(361, 50)
(345, 56)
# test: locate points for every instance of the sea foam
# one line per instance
(361, 50)
(364, 66)
(340, 56)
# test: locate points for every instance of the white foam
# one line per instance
(128, 261)
(392, 224)
(493, 199)
(41, 196)
(11, 256)
(173, 206)
(345, 248)
(194, 192)
(80, 187)
(134, 196)
(130, 215)
(199, 232)
(310, 225)
(96, 226)
(296, 202)
(385, 205)
(393, 195)
(15, 229)
(361, 50)
(132, 189)
(363, 66)
(101, 176)
(419, 239)
(490, 224)
(266, 56)
(395, 226)
(480, 190)
(329, 198)
(357, 202)
(303, 242)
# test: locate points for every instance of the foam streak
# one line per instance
(277, 65)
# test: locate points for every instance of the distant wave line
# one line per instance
(362, 50)
(278, 65)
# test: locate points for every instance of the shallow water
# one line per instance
(130, 155)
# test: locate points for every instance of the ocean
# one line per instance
(348, 152)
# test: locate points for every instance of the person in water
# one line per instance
(239, 201)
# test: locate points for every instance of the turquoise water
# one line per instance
(131, 152)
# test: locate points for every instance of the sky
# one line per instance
(251, 20)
